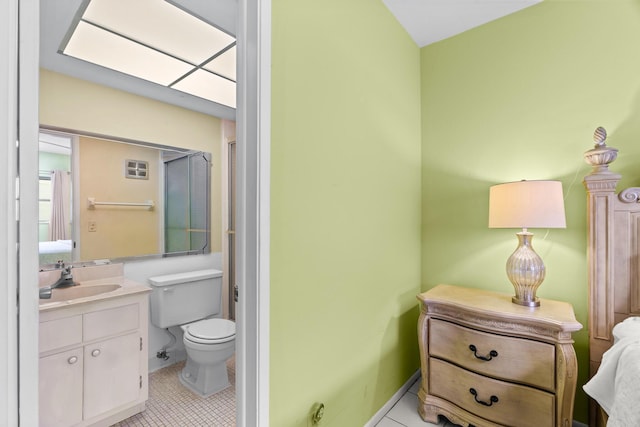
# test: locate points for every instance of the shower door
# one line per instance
(187, 216)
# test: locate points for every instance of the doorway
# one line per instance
(19, 81)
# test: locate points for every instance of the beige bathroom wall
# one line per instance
(113, 231)
(70, 103)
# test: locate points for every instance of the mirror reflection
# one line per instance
(108, 198)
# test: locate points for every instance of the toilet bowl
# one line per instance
(193, 301)
(209, 344)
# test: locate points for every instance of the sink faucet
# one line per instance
(65, 280)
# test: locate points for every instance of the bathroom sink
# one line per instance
(75, 292)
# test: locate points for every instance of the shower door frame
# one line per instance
(229, 192)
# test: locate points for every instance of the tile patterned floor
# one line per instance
(170, 404)
(405, 412)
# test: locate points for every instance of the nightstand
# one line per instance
(488, 362)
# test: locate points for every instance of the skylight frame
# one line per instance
(209, 65)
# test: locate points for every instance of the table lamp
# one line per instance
(526, 204)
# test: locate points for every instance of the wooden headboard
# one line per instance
(613, 221)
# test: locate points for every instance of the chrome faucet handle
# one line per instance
(45, 293)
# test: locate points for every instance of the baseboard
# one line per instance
(394, 399)
(378, 416)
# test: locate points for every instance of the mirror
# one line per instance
(110, 198)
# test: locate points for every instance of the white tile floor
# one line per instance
(405, 412)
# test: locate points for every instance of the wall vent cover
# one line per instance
(136, 169)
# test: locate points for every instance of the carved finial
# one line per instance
(600, 136)
(600, 155)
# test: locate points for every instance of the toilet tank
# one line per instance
(181, 298)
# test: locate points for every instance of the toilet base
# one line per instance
(204, 380)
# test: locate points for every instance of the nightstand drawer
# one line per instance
(494, 400)
(512, 359)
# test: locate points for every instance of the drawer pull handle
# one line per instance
(72, 360)
(95, 353)
(493, 399)
(491, 355)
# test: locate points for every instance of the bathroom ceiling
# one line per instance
(429, 21)
(53, 143)
(158, 42)
(58, 18)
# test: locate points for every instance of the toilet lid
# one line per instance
(212, 330)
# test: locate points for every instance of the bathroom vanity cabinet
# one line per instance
(93, 361)
(488, 362)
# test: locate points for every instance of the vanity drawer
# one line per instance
(513, 359)
(104, 323)
(60, 333)
(516, 405)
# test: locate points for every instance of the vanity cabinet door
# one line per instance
(111, 374)
(61, 389)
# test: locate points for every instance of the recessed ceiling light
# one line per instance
(112, 51)
(160, 25)
(158, 42)
(224, 64)
(209, 86)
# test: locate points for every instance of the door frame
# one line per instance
(253, 209)
(8, 233)
(19, 76)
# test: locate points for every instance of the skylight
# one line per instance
(158, 42)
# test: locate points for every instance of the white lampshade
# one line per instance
(527, 204)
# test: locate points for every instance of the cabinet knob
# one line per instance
(72, 360)
(95, 353)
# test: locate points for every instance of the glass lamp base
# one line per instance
(525, 271)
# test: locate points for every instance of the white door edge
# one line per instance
(8, 234)
(253, 198)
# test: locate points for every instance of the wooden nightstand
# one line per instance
(488, 362)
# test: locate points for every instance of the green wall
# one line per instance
(519, 98)
(345, 209)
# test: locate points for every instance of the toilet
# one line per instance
(193, 301)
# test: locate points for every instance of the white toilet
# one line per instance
(192, 300)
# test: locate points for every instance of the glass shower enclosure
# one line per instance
(187, 216)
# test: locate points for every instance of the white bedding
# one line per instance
(616, 385)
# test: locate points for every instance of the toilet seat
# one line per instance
(211, 331)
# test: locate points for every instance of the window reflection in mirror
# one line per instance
(54, 222)
(107, 198)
